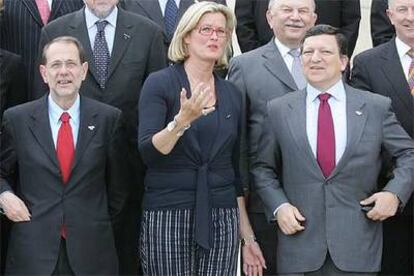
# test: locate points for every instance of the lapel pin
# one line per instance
(91, 127)
(127, 36)
(359, 113)
(228, 116)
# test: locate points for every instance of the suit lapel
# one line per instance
(40, 127)
(225, 119)
(276, 65)
(394, 73)
(296, 120)
(153, 10)
(55, 9)
(356, 116)
(184, 5)
(34, 11)
(87, 129)
(79, 30)
(123, 33)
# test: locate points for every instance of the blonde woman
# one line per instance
(194, 213)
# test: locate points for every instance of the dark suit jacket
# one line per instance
(92, 197)
(21, 25)
(379, 70)
(185, 177)
(12, 81)
(138, 50)
(381, 28)
(151, 9)
(254, 31)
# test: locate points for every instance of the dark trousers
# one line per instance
(63, 265)
(397, 256)
(266, 236)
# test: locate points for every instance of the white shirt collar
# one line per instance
(337, 91)
(55, 111)
(91, 18)
(402, 48)
(283, 49)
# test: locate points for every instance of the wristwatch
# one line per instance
(173, 124)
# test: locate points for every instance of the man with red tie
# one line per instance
(318, 162)
(65, 152)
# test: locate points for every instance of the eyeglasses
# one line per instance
(208, 30)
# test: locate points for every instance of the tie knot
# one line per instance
(324, 97)
(100, 25)
(65, 117)
(410, 53)
(294, 53)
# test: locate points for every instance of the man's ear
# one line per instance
(42, 70)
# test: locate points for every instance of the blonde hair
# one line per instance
(178, 52)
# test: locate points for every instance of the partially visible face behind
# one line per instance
(208, 47)
(63, 71)
(290, 19)
(401, 14)
(322, 63)
(101, 8)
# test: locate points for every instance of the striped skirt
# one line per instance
(168, 248)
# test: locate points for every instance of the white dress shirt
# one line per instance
(405, 59)
(109, 29)
(284, 52)
(50, 2)
(337, 103)
(56, 111)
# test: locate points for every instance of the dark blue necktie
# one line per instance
(101, 53)
(170, 17)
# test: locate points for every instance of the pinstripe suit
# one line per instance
(21, 27)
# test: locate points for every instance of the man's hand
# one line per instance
(14, 208)
(289, 219)
(253, 260)
(385, 205)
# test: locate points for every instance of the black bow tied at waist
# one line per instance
(200, 186)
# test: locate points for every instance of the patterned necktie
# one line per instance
(297, 72)
(170, 17)
(65, 151)
(325, 149)
(411, 71)
(101, 53)
(44, 10)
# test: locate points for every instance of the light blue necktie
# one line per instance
(297, 72)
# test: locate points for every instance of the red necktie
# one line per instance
(44, 11)
(65, 151)
(325, 149)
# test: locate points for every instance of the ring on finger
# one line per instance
(204, 112)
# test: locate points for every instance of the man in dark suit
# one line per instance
(317, 166)
(386, 70)
(133, 48)
(381, 28)
(66, 150)
(253, 30)
(261, 75)
(21, 25)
